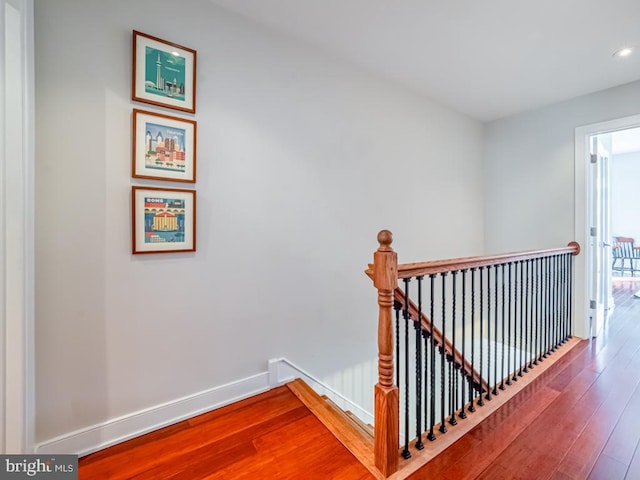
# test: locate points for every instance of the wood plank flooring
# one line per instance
(578, 420)
(269, 436)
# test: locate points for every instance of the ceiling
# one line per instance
(488, 59)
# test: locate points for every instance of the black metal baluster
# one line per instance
(472, 391)
(502, 298)
(535, 268)
(432, 436)
(546, 350)
(527, 316)
(488, 395)
(453, 386)
(405, 452)
(495, 332)
(397, 306)
(465, 374)
(554, 303)
(565, 298)
(544, 307)
(443, 360)
(481, 400)
(509, 319)
(418, 327)
(536, 332)
(571, 296)
(522, 317)
(425, 336)
(514, 377)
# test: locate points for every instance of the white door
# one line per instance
(600, 240)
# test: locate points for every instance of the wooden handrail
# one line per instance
(385, 273)
(425, 324)
(408, 270)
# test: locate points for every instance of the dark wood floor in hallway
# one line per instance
(578, 420)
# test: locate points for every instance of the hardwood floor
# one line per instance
(269, 436)
(578, 420)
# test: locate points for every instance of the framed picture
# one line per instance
(164, 220)
(164, 147)
(164, 73)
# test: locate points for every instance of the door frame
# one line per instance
(17, 253)
(584, 270)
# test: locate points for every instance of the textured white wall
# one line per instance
(625, 195)
(301, 160)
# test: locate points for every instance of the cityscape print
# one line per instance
(164, 147)
(165, 74)
(164, 220)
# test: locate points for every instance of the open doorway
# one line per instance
(625, 222)
(595, 195)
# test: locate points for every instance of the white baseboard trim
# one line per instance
(102, 435)
(282, 371)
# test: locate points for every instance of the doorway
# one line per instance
(593, 221)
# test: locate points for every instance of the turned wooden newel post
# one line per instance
(385, 279)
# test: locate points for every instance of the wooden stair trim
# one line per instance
(419, 458)
(354, 438)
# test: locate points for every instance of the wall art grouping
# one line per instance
(163, 146)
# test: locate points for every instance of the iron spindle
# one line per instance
(405, 452)
(443, 427)
(533, 306)
(527, 318)
(554, 302)
(510, 341)
(397, 307)
(488, 395)
(453, 394)
(522, 317)
(472, 395)
(418, 327)
(495, 332)
(571, 296)
(465, 375)
(481, 295)
(502, 278)
(514, 377)
(432, 373)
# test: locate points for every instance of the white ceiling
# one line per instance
(488, 59)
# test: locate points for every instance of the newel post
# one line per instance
(385, 279)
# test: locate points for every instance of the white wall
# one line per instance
(625, 195)
(301, 160)
(529, 169)
(530, 175)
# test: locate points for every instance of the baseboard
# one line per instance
(282, 371)
(99, 436)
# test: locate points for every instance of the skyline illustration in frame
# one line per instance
(163, 73)
(164, 147)
(163, 220)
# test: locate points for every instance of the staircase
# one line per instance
(469, 332)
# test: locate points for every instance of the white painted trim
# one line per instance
(282, 371)
(17, 255)
(582, 201)
(102, 435)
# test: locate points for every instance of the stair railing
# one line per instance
(472, 325)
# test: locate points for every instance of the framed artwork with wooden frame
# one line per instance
(164, 73)
(164, 220)
(164, 147)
